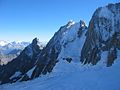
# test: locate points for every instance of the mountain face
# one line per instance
(103, 36)
(74, 42)
(10, 50)
(66, 44)
(17, 68)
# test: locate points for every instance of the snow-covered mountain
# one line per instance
(66, 44)
(17, 68)
(103, 36)
(3, 43)
(76, 58)
(74, 42)
(71, 36)
(8, 47)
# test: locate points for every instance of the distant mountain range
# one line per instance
(10, 50)
(3, 43)
(7, 47)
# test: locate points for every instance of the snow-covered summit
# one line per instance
(64, 45)
(70, 23)
(3, 43)
(17, 45)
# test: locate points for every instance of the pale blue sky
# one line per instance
(23, 20)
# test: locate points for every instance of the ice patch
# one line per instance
(29, 73)
(104, 58)
(15, 75)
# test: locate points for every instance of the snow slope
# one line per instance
(73, 76)
(71, 43)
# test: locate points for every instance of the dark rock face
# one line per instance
(82, 28)
(18, 67)
(48, 57)
(103, 35)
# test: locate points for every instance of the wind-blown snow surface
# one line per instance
(73, 76)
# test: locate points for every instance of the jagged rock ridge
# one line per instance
(17, 68)
(68, 37)
(103, 35)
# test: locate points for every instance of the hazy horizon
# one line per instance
(23, 20)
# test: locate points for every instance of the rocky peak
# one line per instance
(35, 41)
(33, 48)
(82, 28)
(58, 48)
(70, 23)
(23, 63)
(102, 35)
(82, 23)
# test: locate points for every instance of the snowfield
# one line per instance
(73, 76)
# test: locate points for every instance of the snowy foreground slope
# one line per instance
(73, 76)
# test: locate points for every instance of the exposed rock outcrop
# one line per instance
(17, 68)
(103, 35)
